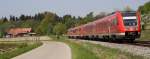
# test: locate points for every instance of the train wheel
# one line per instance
(131, 40)
(113, 38)
(106, 38)
(69, 36)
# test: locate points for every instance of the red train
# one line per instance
(118, 25)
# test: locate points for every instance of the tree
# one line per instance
(5, 19)
(68, 20)
(46, 23)
(145, 9)
(12, 18)
(145, 13)
(59, 29)
(39, 16)
(22, 17)
(100, 15)
(88, 18)
(128, 8)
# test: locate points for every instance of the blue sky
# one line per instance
(62, 7)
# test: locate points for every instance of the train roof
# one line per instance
(90, 22)
(111, 14)
(101, 19)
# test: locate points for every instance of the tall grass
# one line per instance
(19, 49)
(145, 35)
(110, 53)
(80, 52)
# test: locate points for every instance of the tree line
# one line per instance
(145, 13)
(47, 23)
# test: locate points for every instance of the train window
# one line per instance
(130, 22)
(74, 31)
(115, 21)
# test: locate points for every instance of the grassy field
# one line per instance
(145, 35)
(82, 50)
(109, 53)
(9, 50)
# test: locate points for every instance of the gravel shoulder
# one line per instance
(49, 50)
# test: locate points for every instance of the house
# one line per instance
(16, 32)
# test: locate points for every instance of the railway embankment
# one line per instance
(129, 48)
(84, 49)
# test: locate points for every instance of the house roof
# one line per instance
(15, 31)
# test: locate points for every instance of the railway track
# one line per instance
(138, 43)
(141, 48)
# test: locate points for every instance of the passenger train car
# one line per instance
(124, 25)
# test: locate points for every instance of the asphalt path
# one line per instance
(49, 50)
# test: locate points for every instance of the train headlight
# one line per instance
(136, 28)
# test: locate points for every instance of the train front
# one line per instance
(132, 24)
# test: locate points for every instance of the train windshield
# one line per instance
(130, 22)
(129, 18)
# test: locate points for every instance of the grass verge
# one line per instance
(109, 53)
(145, 36)
(18, 48)
(78, 51)
(86, 50)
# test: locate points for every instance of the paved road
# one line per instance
(49, 50)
